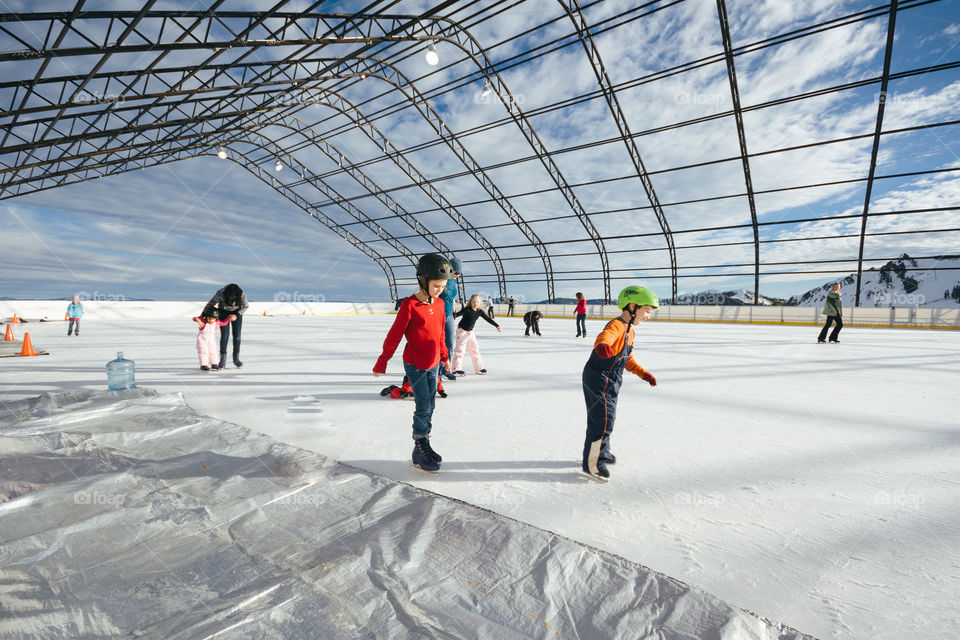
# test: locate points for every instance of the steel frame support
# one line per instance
(884, 81)
(574, 12)
(742, 138)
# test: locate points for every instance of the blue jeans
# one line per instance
(581, 324)
(424, 385)
(450, 334)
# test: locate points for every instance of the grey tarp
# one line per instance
(130, 515)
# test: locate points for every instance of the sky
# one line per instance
(182, 230)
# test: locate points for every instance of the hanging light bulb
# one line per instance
(487, 88)
(221, 153)
(432, 57)
(278, 166)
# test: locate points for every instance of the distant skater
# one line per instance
(532, 320)
(74, 313)
(228, 301)
(833, 309)
(207, 344)
(490, 306)
(510, 305)
(467, 339)
(449, 296)
(421, 321)
(581, 312)
(603, 374)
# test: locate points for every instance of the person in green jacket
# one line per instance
(833, 309)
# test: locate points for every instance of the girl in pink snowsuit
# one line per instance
(208, 346)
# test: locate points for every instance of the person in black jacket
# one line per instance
(466, 339)
(833, 309)
(532, 320)
(226, 302)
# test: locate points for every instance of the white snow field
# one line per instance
(815, 485)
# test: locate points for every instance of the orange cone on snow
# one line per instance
(304, 313)
(66, 316)
(15, 319)
(9, 335)
(264, 312)
(27, 349)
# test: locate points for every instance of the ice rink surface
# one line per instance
(816, 485)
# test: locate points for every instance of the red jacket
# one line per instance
(422, 325)
(581, 306)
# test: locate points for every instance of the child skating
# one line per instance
(421, 320)
(467, 339)
(603, 374)
(208, 346)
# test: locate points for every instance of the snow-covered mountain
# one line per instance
(904, 282)
(733, 297)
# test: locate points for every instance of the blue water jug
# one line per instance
(120, 374)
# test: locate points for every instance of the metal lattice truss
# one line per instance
(86, 94)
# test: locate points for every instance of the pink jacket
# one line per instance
(581, 306)
(208, 332)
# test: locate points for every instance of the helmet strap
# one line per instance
(633, 314)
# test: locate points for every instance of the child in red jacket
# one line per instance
(420, 320)
(581, 312)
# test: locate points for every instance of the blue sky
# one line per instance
(181, 230)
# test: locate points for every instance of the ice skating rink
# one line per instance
(816, 485)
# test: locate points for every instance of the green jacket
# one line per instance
(833, 306)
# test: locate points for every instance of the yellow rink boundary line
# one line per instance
(863, 325)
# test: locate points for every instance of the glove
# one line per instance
(646, 375)
(441, 393)
(603, 350)
(395, 393)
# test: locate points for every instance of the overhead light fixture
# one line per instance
(221, 153)
(432, 57)
(278, 166)
(487, 88)
(363, 76)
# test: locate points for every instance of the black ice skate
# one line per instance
(421, 456)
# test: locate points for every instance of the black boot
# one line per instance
(223, 361)
(421, 457)
(236, 360)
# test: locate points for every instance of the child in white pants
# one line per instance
(467, 339)
(208, 346)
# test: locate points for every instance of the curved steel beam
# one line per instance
(742, 137)
(885, 77)
(317, 214)
(349, 110)
(574, 12)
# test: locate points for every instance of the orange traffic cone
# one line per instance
(264, 312)
(304, 313)
(66, 316)
(15, 319)
(9, 334)
(27, 349)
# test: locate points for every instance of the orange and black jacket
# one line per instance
(608, 347)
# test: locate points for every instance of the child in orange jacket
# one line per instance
(603, 374)
(420, 320)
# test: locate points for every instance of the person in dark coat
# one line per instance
(226, 302)
(532, 320)
(833, 309)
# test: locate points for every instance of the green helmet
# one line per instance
(638, 295)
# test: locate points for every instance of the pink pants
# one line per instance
(466, 340)
(208, 347)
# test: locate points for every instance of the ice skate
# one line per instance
(421, 456)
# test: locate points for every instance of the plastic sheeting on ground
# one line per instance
(130, 515)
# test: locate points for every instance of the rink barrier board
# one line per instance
(875, 317)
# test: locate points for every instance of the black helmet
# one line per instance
(434, 266)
